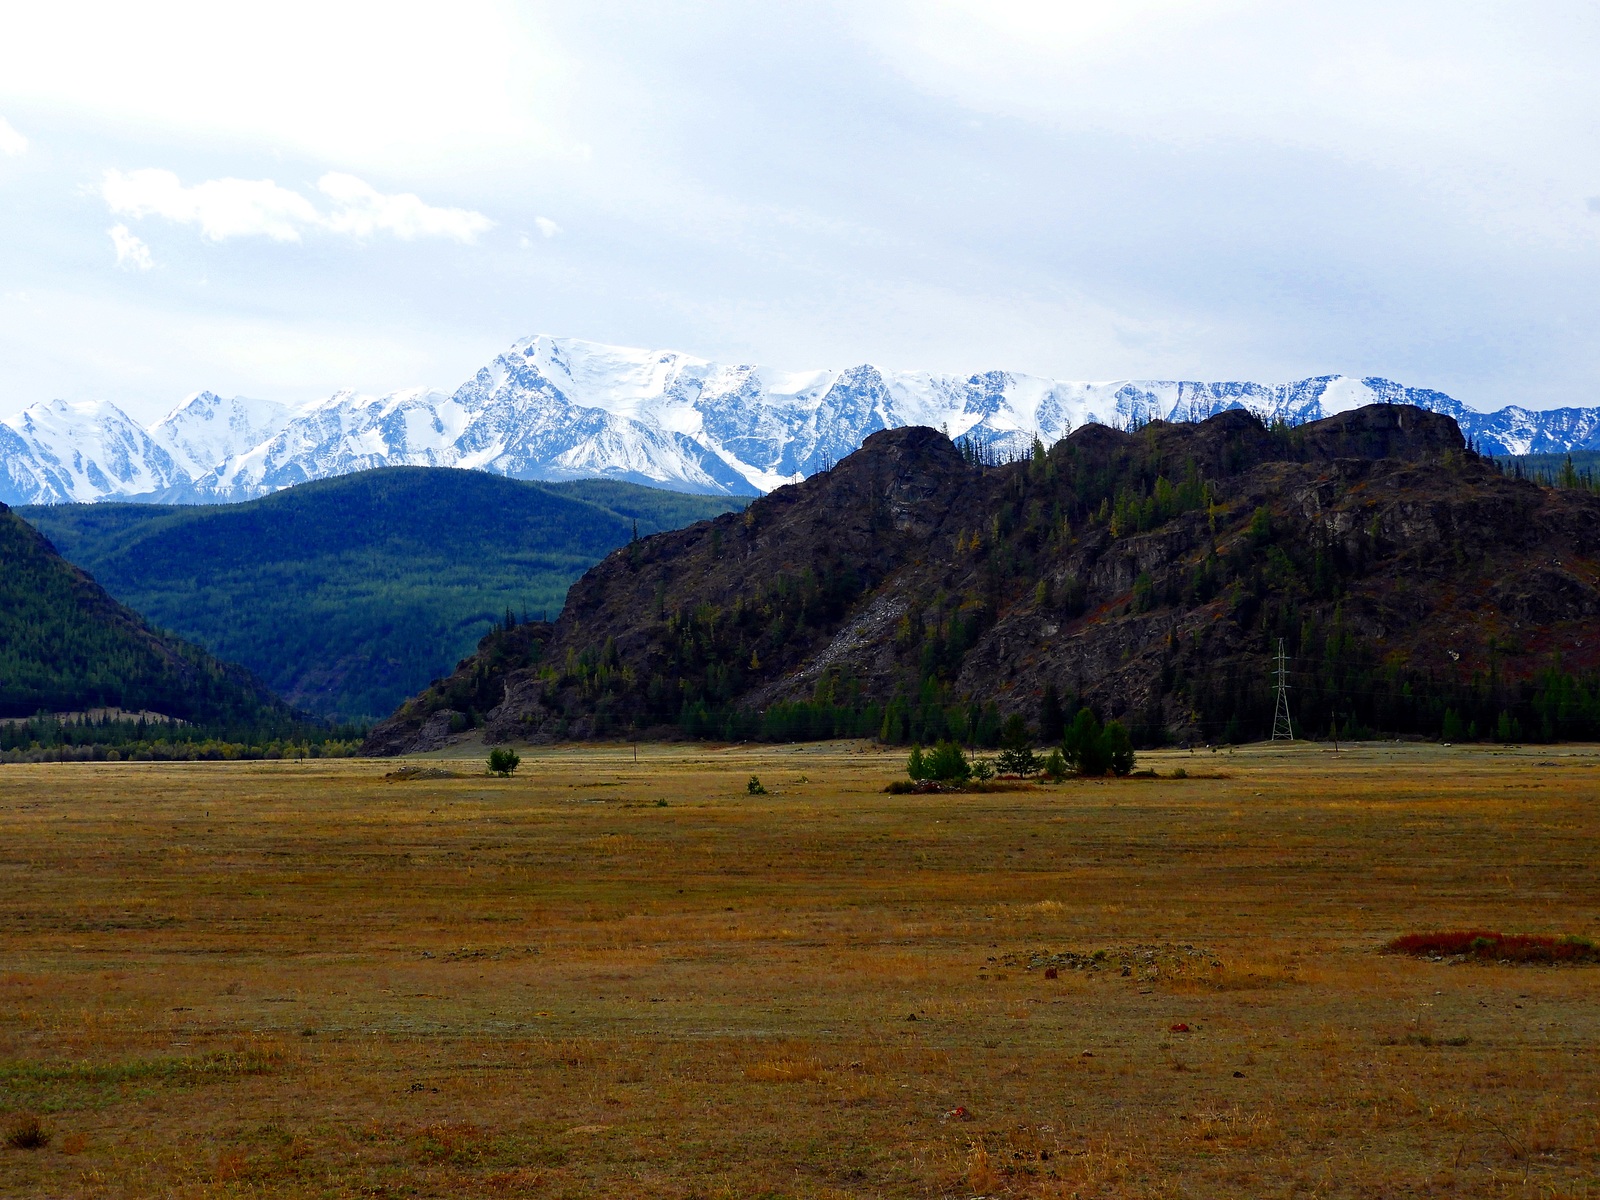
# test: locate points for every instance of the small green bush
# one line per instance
(503, 761)
(754, 787)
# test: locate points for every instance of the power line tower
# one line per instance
(1282, 729)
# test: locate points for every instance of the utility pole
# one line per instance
(1282, 729)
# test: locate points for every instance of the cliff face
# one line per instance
(1149, 574)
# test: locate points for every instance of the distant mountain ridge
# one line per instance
(559, 408)
(347, 595)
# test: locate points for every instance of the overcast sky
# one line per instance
(281, 200)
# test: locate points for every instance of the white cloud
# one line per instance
(132, 253)
(362, 210)
(11, 142)
(546, 226)
(225, 208)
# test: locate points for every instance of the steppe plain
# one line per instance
(607, 978)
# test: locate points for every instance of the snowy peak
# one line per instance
(563, 408)
(61, 452)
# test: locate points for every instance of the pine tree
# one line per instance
(1052, 720)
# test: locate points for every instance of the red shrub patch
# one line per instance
(1496, 947)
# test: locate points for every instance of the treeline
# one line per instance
(1348, 692)
(1087, 749)
(205, 750)
(49, 738)
(1580, 469)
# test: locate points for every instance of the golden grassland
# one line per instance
(603, 978)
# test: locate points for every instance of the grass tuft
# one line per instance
(27, 1132)
(783, 1070)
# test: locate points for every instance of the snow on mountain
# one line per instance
(58, 453)
(205, 429)
(347, 432)
(559, 408)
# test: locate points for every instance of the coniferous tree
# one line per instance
(1052, 720)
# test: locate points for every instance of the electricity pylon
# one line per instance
(1282, 729)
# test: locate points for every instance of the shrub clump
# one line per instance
(1488, 946)
(945, 763)
(929, 787)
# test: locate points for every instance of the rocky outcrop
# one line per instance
(1149, 574)
(453, 706)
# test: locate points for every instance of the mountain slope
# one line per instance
(65, 645)
(559, 408)
(912, 592)
(347, 595)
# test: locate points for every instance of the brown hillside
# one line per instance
(915, 592)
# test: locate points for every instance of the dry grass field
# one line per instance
(597, 978)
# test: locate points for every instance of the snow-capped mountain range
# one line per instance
(558, 408)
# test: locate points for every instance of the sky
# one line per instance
(284, 200)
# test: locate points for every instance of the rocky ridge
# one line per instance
(912, 591)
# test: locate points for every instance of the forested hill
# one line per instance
(65, 645)
(347, 595)
(916, 592)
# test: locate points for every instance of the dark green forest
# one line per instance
(65, 646)
(1580, 468)
(347, 595)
